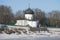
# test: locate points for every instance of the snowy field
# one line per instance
(21, 37)
(32, 36)
(53, 34)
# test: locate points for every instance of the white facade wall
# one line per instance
(26, 22)
(21, 22)
(29, 16)
(33, 23)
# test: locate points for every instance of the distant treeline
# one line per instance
(50, 19)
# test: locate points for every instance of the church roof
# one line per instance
(29, 11)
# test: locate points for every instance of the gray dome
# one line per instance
(29, 11)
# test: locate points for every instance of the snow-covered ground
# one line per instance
(53, 32)
(41, 34)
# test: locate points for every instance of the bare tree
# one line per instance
(54, 15)
(19, 14)
(6, 14)
(40, 15)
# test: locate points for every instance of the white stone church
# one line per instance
(29, 19)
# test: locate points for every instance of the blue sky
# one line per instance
(44, 5)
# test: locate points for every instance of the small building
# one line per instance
(29, 19)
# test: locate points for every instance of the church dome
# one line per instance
(29, 11)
